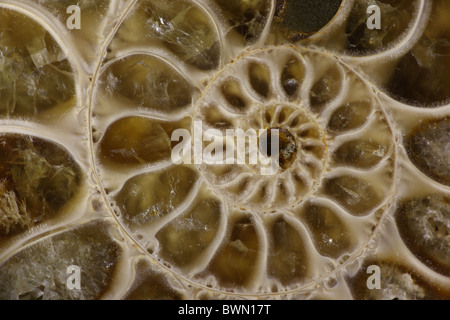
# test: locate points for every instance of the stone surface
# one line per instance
(86, 177)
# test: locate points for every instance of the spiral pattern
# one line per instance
(88, 116)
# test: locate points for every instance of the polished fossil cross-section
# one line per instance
(92, 205)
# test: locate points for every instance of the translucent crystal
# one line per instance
(180, 25)
(234, 262)
(325, 89)
(288, 261)
(330, 234)
(13, 212)
(356, 195)
(39, 271)
(396, 283)
(150, 196)
(37, 178)
(428, 148)
(360, 154)
(92, 15)
(259, 78)
(35, 75)
(349, 116)
(395, 15)
(231, 89)
(186, 30)
(424, 225)
(135, 141)
(151, 285)
(149, 83)
(247, 17)
(421, 77)
(187, 237)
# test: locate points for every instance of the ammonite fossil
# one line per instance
(96, 95)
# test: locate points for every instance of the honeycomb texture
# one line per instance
(87, 118)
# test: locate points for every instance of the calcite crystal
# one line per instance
(108, 127)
